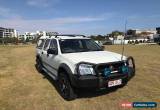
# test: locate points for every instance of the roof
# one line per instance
(65, 36)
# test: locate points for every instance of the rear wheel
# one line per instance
(66, 90)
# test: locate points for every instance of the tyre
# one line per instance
(65, 88)
(131, 64)
(39, 65)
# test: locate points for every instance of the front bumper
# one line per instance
(96, 82)
(101, 81)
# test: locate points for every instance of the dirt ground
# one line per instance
(23, 88)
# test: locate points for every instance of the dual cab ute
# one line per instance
(76, 61)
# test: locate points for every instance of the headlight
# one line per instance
(86, 69)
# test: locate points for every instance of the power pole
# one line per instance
(3, 39)
(125, 33)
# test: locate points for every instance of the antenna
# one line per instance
(125, 32)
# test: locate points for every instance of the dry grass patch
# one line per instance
(23, 88)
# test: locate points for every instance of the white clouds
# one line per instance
(4, 11)
(7, 13)
(58, 24)
(41, 3)
(66, 24)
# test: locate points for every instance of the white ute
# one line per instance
(76, 61)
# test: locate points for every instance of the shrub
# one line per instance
(136, 42)
(140, 41)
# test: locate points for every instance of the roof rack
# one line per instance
(69, 35)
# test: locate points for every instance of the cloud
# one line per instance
(4, 11)
(57, 24)
(41, 3)
(66, 24)
(7, 13)
(139, 18)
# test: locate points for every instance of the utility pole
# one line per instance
(125, 33)
(3, 39)
(16, 35)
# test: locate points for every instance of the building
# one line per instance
(29, 35)
(158, 30)
(138, 31)
(120, 37)
(141, 34)
(157, 36)
(147, 33)
(7, 32)
(33, 35)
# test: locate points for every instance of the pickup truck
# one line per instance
(77, 62)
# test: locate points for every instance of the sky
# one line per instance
(89, 17)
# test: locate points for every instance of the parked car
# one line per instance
(76, 62)
(157, 39)
(99, 42)
(108, 42)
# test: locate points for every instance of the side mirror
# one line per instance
(52, 51)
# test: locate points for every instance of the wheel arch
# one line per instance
(38, 57)
(65, 68)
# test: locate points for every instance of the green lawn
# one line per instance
(23, 88)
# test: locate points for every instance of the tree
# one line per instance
(98, 37)
(131, 32)
(116, 33)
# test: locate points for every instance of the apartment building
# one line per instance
(7, 32)
(33, 35)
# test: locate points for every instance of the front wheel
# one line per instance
(39, 65)
(66, 90)
(131, 65)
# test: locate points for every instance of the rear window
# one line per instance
(40, 43)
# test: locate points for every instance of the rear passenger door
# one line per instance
(44, 54)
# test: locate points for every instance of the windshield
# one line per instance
(78, 45)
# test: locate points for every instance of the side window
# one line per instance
(40, 43)
(46, 44)
(53, 44)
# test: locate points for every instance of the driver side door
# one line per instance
(53, 58)
(44, 54)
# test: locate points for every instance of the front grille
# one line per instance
(115, 69)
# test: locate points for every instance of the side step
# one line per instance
(49, 73)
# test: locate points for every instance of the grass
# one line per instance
(23, 88)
